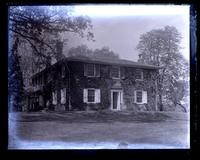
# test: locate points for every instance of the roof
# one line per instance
(120, 62)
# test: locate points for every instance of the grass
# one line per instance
(94, 117)
(97, 128)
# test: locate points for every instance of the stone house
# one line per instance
(82, 83)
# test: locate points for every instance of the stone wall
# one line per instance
(105, 83)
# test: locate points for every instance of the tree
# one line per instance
(40, 27)
(15, 79)
(161, 47)
(83, 50)
(105, 52)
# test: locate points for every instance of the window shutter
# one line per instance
(97, 70)
(85, 69)
(54, 96)
(63, 96)
(97, 96)
(85, 95)
(122, 72)
(135, 97)
(144, 97)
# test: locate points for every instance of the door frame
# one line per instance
(120, 92)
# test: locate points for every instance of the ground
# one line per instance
(96, 130)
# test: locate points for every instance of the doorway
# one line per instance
(116, 99)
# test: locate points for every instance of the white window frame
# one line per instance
(121, 99)
(118, 71)
(95, 68)
(97, 95)
(144, 99)
(142, 75)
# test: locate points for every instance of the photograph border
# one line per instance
(164, 153)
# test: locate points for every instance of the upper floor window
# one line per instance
(115, 72)
(92, 70)
(139, 75)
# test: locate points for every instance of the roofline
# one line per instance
(126, 65)
(69, 59)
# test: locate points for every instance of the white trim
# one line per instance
(120, 98)
(96, 91)
(63, 95)
(54, 97)
(136, 96)
(143, 92)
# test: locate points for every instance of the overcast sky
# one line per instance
(119, 27)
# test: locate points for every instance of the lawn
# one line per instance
(98, 130)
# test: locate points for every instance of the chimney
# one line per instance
(59, 50)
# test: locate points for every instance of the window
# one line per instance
(139, 74)
(92, 70)
(140, 97)
(115, 72)
(91, 95)
(54, 96)
(63, 95)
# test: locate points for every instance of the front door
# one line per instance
(116, 99)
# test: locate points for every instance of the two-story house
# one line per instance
(83, 83)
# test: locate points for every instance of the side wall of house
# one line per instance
(148, 84)
(58, 82)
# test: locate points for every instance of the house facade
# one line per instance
(80, 83)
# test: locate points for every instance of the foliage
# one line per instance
(105, 52)
(102, 53)
(81, 50)
(39, 28)
(161, 47)
(15, 81)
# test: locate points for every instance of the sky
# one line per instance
(119, 26)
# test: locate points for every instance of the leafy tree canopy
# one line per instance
(102, 53)
(41, 26)
(161, 47)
